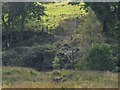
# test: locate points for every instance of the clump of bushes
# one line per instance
(100, 57)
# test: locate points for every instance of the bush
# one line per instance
(56, 63)
(78, 66)
(117, 69)
(100, 57)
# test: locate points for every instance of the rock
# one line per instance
(56, 73)
(57, 79)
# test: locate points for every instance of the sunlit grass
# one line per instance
(56, 13)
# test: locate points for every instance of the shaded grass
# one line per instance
(15, 77)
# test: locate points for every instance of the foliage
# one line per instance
(11, 58)
(107, 13)
(66, 30)
(38, 57)
(56, 64)
(12, 12)
(14, 16)
(100, 57)
(78, 66)
(88, 33)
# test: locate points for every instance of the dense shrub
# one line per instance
(38, 57)
(100, 57)
(79, 65)
(11, 58)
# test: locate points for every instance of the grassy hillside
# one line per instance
(70, 33)
(15, 77)
(55, 14)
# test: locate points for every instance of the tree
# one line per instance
(107, 13)
(18, 11)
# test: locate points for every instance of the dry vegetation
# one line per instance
(16, 77)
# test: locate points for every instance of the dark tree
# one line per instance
(107, 13)
(14, 12)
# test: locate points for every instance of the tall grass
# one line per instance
(16, 77)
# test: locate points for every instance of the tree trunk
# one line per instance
(42, 29)
(7, 37)
(10, 31)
